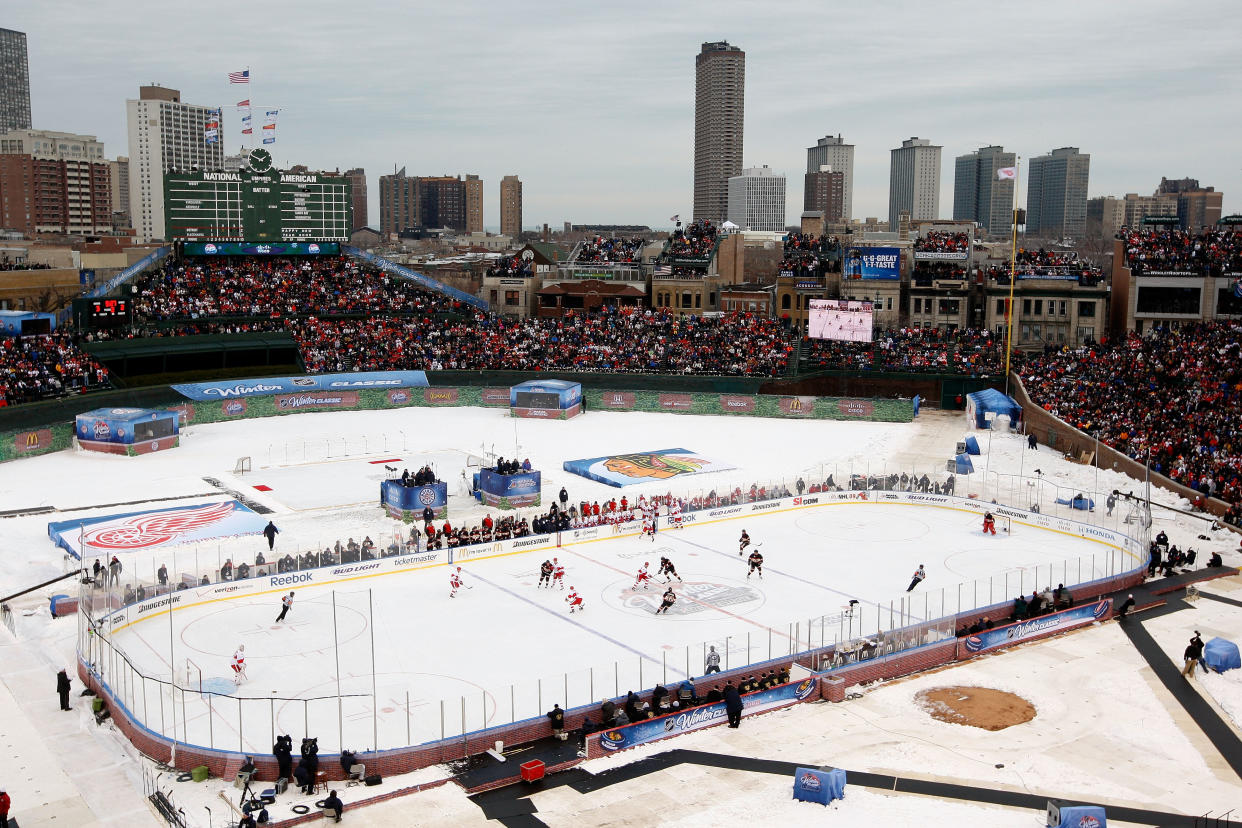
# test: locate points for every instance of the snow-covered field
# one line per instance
(505, 632)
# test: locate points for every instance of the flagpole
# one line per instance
(1013, 258)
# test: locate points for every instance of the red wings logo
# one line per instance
(155, 529)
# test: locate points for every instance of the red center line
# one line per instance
(691, 598)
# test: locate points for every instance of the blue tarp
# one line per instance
(1079, 816)
(972, 445)
(1086, 504)
(964, 466)
(822, 786)
(980, 403)
(1221, 654)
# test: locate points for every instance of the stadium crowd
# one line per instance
(695, 240)
(614, 340)
(276, 288)
(44, 366)
(509, 266)
(1214, 253)
(925, 272)
(601, 250)
(936, 241)
(1175, 393)
(808, 256)
(977, 353)
(9, 264)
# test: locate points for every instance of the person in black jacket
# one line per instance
(1193, 655)
(557, 717)
(62, 688)
(564, 498)
(270, 532)
(283, 750)
(334, 804)
(733, 705)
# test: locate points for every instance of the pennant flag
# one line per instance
(247, 131)
(269, 126)
(244, 104)
(272, 113)
(245, 119)
(210, 133)
(1007, 173)
(269, 140)
(240, 77)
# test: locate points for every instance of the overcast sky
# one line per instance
(592, 105)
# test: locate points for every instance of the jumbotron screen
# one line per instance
(248, 206)
(845, 319)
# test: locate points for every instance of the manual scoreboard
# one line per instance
(257, 204)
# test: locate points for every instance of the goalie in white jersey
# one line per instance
(239, 664)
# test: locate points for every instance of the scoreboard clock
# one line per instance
(105, 312)
(257, 204)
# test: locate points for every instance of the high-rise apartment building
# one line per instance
(69, 187)
(914, 181)
(719, 121)
(979, 194)
(832, 152)
(442, 202)
(824, 192)
(1056, 194)
(358, 195)
(164, 134)
(398, 203)
(14, 81)
(1105, 216)
(1138, 207)
(119, 175)
(511, 207)
(474, 204)
(1197, 207)
(757, 199)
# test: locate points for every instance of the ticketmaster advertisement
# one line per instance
(697, 718)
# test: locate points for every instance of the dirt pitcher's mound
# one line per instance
(976, 706)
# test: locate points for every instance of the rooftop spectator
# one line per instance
(600, 249)
(1214, 253)
(938, 241)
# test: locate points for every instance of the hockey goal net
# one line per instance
(1004, 526)
(242, 465)
(193, 678)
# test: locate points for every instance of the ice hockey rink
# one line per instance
(504, 649)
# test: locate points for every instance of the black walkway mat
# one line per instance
(484, 769)
(1204, 715)
(1220, 598)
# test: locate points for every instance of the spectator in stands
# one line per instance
(44, 366)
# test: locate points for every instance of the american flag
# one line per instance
(664, 270)
(240, 77)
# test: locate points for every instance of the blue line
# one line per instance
(563, 617)
(777, 571)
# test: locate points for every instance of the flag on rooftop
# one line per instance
(240, 77)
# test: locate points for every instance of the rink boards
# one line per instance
(132, 614)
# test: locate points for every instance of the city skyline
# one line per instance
(624, 151)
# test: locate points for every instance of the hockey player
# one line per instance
(989, 523)
(239, 664)
(756, 564)
(668, 570)
(670, 598)
(674, 513)
(558, 574)
(919, 575)
(455, 582)
(545, 574)
(286, 604)
(743, 542)
(643, 578)
(574, 600)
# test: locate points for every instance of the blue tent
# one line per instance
(1221, 655)
(972, 445)
(964, 466)
(980, 403)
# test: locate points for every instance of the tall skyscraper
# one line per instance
(719, 121)
(824, 192)
(164, 134)
(358, 195)
(1056, 194)
(831, 151)
(398, 202)
(442, 202)
(757, 199)
(14, 81)
(70, 181)
(511, 206)
(914, 181)
(119, 170)
(474, 204)
(979, 194)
